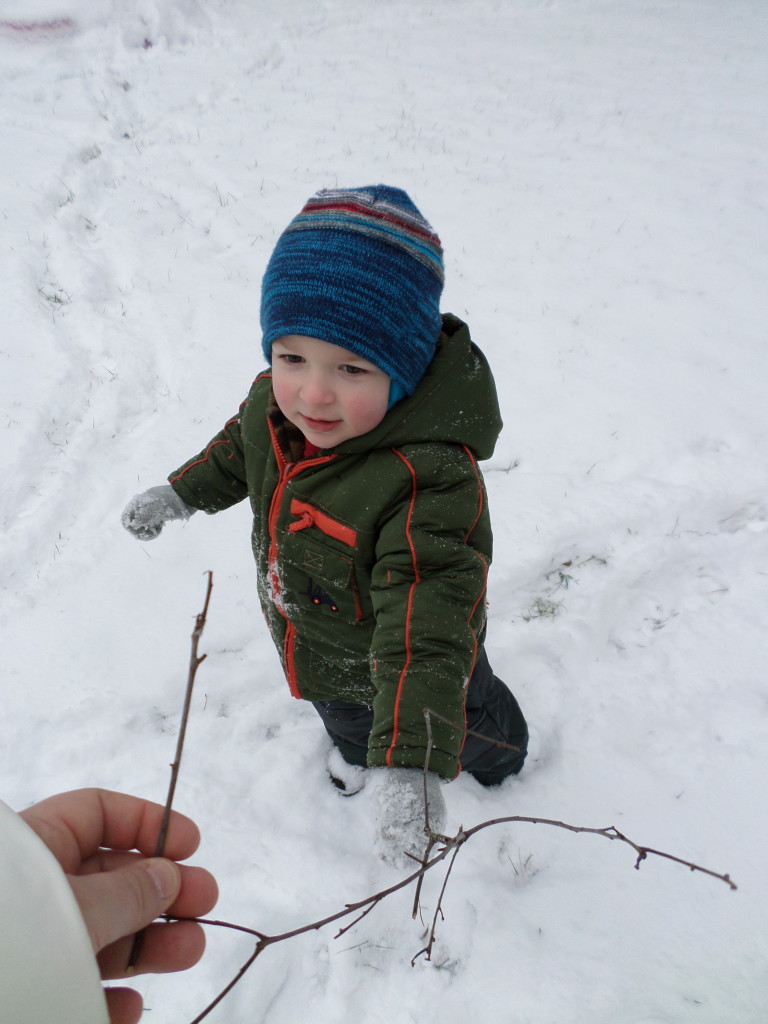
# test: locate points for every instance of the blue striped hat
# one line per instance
(360, 268)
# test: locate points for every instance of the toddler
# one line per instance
(358, 450)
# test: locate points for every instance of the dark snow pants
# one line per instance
(491, 710)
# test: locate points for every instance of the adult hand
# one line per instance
(94, 834)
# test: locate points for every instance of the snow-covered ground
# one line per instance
(597, 172)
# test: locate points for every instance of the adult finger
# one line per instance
(75, 825)
(168, 947)
(197, 896)
(165, 948)
(121, 902)
(124, 1005)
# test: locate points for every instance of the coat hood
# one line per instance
(455, 402)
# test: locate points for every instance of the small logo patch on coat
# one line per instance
(318, 596)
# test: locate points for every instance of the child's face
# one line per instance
(331, 394)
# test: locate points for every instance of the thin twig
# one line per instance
(225, 991)
(450, 845)
(426, 769)
(427, 951)
(194, 663)
(610, 832)
(469, 732)
(356, 921)
(365, 905)
(427, 827)
(431, 842)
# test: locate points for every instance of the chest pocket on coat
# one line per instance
(318, 579)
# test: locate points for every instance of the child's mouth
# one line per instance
(321, 425)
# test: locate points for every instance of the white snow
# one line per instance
(597, 173)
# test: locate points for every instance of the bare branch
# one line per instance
(365, 905)
(426, 768)
(194, 663)
(449, 845)
(427, 827)
(427, 851)
(610, 832)
(427, 951)
(225, 991)
(357, 920)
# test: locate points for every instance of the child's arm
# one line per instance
(428, 591)
(212, 480)
(215, 478)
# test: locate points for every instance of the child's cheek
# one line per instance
(281, 393)
(368, 412)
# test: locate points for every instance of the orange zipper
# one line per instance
(288, 470)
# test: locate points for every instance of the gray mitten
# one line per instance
(146, 514)
(400, 813)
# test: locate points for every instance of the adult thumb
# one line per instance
(121, 902)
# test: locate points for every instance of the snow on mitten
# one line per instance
(400, 813)
(146, 514)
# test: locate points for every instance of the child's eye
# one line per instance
(353, 370)
(289, 357)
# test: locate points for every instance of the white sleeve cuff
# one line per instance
(48, 970)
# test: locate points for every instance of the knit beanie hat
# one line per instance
(360, 268)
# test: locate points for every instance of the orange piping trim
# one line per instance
(199, 462)
(209, 449)
(409, 609)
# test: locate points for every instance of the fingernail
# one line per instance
(165, 876)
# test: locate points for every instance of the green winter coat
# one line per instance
(372, 556)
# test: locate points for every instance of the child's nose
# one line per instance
(316, 389)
